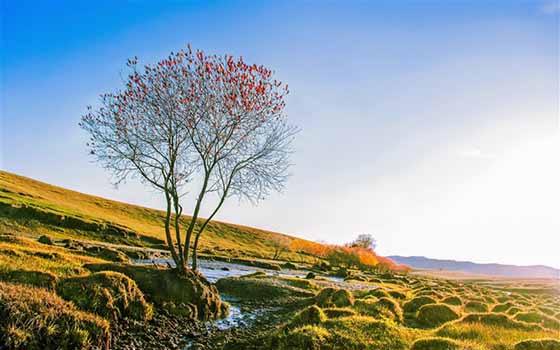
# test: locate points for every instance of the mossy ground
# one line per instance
(427, 323)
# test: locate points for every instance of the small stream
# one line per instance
(238, 315)
(214, 270)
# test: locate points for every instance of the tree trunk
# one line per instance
(178, 261)
(190, 229)
(178, 212)
(195, 246)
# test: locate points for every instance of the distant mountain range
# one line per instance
(535, 271)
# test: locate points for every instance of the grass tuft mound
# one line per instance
(538, 318)
(497, 320)
(328, 297)
(342, 298)
(324, 297)
(303, 338)
(36, 319)
(378, 293)
(434, 315)
(538, 344)
(335, 312)
(452, 300)
(476, 306)
(108, 294)
(312, 315)
(361, 332)
(392, 306)
(381, 308)
(502, 307)
(354, 332)
(397, 295)
(416, 303)
(436, 343)
(35, 278)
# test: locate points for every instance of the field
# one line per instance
(34, 208)
(67, 282)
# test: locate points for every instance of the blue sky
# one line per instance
(432, 125)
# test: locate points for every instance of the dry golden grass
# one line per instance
(219, 238)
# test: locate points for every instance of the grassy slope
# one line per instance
(18, 191)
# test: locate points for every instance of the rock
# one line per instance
(45, 240)
(289, 266)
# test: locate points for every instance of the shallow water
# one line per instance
(214, 270)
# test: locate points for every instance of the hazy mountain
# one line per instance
(535, 271)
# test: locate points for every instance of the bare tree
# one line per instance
(213, 123)
(364, 241)
(280, 244)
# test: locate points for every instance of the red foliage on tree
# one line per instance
(192, 116)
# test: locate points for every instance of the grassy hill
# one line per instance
(32, 208)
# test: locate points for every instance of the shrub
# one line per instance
(538, 344)
(45, 240)
(475, 306)
(109, 294)
(35, 319)
(434, 315)
(452, 300)
(436, 343)
(414, 304)
(310, 276)
(312, 315)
